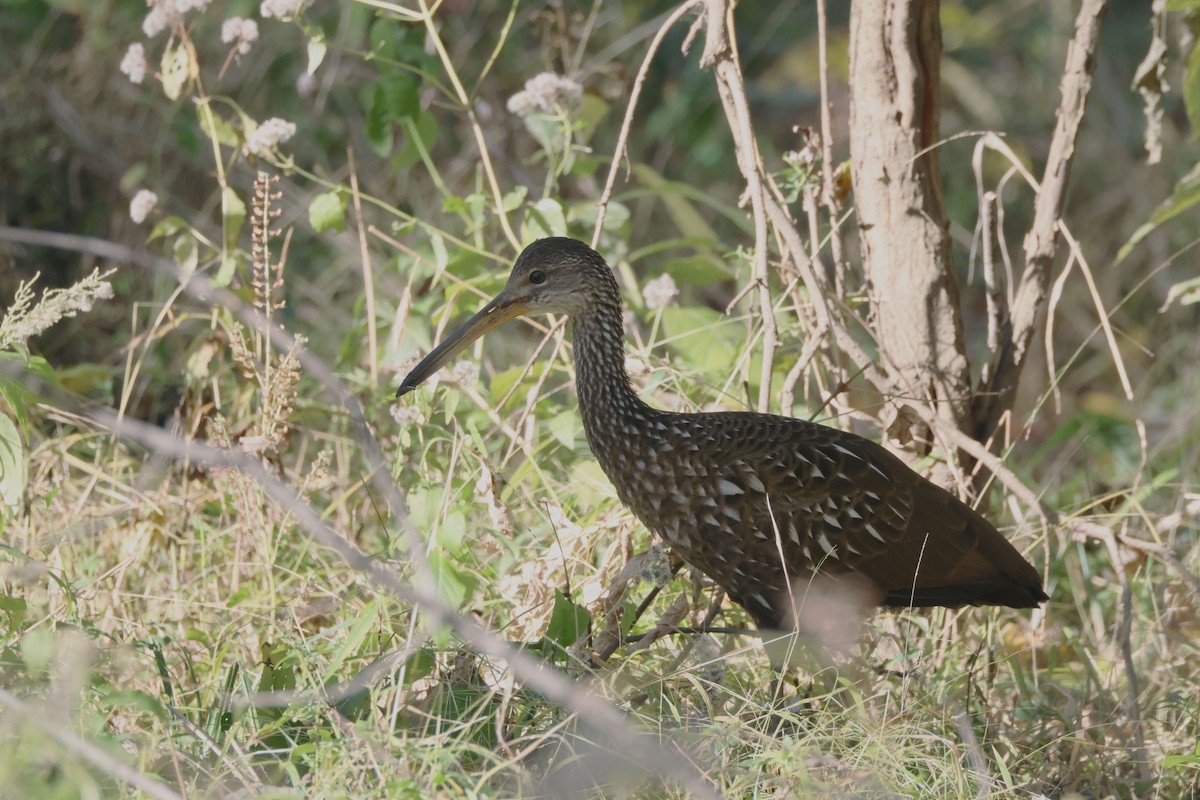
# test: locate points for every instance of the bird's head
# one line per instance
(552, 276)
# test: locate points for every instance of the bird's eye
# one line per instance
(537, 276)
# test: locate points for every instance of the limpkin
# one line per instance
(759, 503)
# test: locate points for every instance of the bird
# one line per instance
(762, 504)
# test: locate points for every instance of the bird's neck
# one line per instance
(606, 397)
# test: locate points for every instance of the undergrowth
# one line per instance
(169, 628)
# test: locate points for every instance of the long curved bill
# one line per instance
(496, 313)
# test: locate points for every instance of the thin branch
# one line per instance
(1041, 242)
(619, 153)
(368, 275)
(720, 54)
(480, 142)
(827, 183)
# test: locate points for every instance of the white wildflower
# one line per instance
(659, 292)
(142, 204)
(280, 9)
(545, 92)
(464, 373)
(272, 132)
(241, 32)
(407, 415)
(158, 20)
(164, 14)
(801, 159)
(26, 319)
(134, 63)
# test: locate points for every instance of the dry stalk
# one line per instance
(619, 153)
(1041, 242)
(720, 54)
(368, 273)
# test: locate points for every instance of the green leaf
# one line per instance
(452, 533)
(13, 391)
(233, 210)
(1186, 195)
(186, 252)
(565, 428)
(420, 664)
(568, 621)
(86, 379)
(14, 608)
(514, 199)
(544, 218)
(422, 129)
(454, 585)
(168, 226)
(366, 620)
(379, 123)
(1182, 5)
(401, 94)
(1186, 292)
(687, 219)
(176, 69)
(704, 337)
(14, 474)
(1191, 90)
(327, 212)
(225, 273)
(134, 700)
(279, 669)
(316, 54)
(216, 127)
(592, 110)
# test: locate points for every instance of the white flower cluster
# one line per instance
(407, 415)
(241, 32)
(165, 13)
(280, 9)
(464, 373)
(134, 63)
(272, 132)
(26, 319)
(659, 292)
(545, 92)
(142, 204)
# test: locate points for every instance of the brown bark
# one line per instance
(895, 48)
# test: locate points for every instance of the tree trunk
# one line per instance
(895, 48)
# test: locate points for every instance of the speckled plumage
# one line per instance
(757, 502)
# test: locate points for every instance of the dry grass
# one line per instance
(176, 625)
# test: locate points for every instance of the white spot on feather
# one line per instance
(833, 521)
(826, 545)
(728, 488)
(871, 530)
